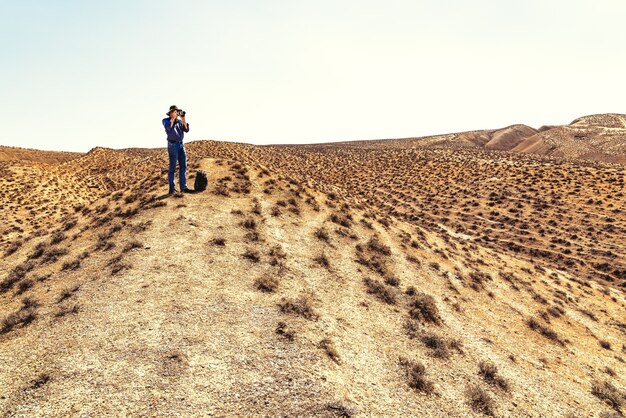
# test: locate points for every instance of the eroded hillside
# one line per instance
(311, 281)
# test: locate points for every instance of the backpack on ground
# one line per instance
(201, 181)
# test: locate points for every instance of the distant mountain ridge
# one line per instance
(599, 137)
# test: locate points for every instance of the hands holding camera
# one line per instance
(175, 114)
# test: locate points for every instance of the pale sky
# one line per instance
(79, 74)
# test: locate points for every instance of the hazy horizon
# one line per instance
(77, 76)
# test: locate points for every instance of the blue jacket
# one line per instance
(175, 133)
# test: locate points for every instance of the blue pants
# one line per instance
(176, 152)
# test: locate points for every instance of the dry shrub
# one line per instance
(221, 190)
(71, 265)
(338, 409)
(281, 329)
(38, 251)
(219, 241)
(608, 393)
(23, 317)
(489, 373)
(24, 285)
(392, 281)
(375, 245)
(57, 237)
(412, 328)
(380, 291)
(322, 260)
(266, 283)
(322, 234)
(341, 219)
(67, 310)
(117, 265)
(13, 247)
(67, 293)
(328, 346)
(301, 306)
(277, 252)
(438, 345)
(16, 275)
(252, 255)
(374, 263)
(53, 254)
(249, 223)
(479, 400)
(41, 380)
(132, 245)
(605, 344)
(544, 330)
(424, 308)
(416, 376)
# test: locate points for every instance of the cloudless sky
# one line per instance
(79, 74)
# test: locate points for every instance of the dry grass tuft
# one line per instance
(608, 393)
(438, 345)
(424, 308)
(489, 373)
(340, 410)
(218, 241)
(380, 291)
(375, 245)
(13, 247)
(266, 283)
(544, 330)
(252, 255)
(480, 401)
(416, 376)
(322, 234)
(282, 330)
(329, 347)
(67, 310)
(301, 306)
(21, 318)
(323, 261)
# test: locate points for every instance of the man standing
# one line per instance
(175, 129)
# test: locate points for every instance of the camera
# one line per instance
(181, 113)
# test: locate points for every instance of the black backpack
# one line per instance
(201, 181)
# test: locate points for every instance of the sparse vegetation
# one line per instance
(416, 376)
(252, 255)
(544, 330)
(608, 393)
(219, 241)
(480, 401)
(329, 347)
(489, 373)
(266, 283)
(424, 308)
(379, 290)
(301, 306)
(282, 330)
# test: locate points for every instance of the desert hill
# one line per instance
(599, 138)
(26, 154)
(315, 281)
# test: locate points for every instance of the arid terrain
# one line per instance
(471, 274)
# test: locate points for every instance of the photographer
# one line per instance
(175, 128)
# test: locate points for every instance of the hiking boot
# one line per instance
(172, 191)
(187, 190)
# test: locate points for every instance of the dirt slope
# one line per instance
(279, 291)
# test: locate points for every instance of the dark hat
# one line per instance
(172, 107)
